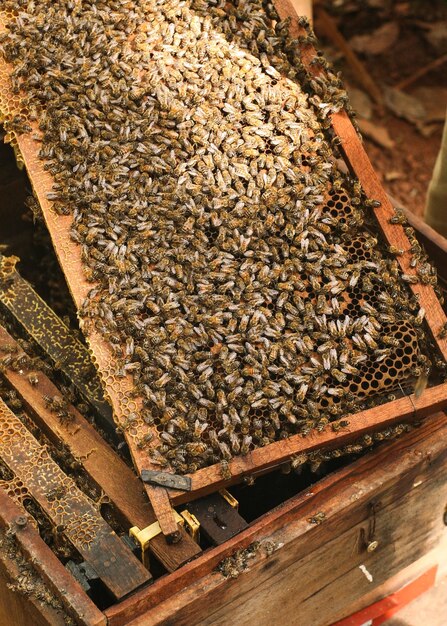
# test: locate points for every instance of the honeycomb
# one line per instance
(239, 292)
(36, 476)
(19, 493)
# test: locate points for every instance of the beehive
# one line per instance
(211, 369)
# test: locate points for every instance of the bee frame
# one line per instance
(119, 391)
(265, 459)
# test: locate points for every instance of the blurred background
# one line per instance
(393, 59)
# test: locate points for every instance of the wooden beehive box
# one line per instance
(128, 406)
(286, 568)
(303, 562)
(300, 562)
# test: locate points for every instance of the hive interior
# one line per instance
(236, 274)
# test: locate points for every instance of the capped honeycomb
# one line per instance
(236, 275)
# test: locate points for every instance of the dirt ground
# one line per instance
(394, 40)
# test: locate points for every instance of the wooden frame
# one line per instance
(68, 507)
(310, 571)
(397, 492)
(404, 409)
(106, 469)
(48, 567)
(261, 459)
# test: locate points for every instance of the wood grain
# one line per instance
(68, 508)
(378, 418)
(15, 610)
(434, 243)
(405, 530)
(100, 462)
(383, 476)
(360, 164)
(49, 568)
(435, 558)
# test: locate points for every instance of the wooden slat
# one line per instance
(16, 609)
(100, 462)
(345, 496)
(49, 568)
(359, 164)
(27, 309)
(378, 418)
(68, 508)
(434, 243)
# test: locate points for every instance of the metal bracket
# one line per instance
(166, 479)
(144, 536)
(226, 495)
(192, 524)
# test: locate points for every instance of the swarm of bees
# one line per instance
(234, 273)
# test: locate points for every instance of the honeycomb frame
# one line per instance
(36, 475)
(120, 390)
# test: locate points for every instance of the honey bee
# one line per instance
(398, 217)
(395, 251)
(33, 379)
(337, 426)
(144, 441)
(225, 470)
(410, 278)
(318, 518)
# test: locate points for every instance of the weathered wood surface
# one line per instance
(68, 508)
(435, 558)
(378, 418)
(48, 568)
(330, 578)
(406, 480)
(434, 243)
(100, 462)
(14, 611)
(29, 311)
